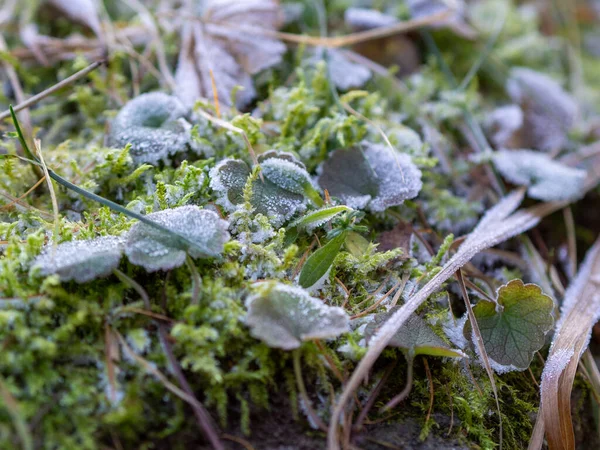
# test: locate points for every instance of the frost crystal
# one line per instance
(278, 197)
(155, 250)
(366, 19)
(548, 180)
(155, 127)
(372, 177)
(81, 261)
(550, 112)
(284, 316)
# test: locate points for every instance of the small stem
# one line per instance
(302, 389)
(404, 393)
(371, 401)
(130, 282)
(196, 279)
(313, 195)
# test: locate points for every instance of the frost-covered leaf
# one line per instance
(156, 250)
(319, 217)
(81, 260)
(366, 19)
(370, 176)
(81, 11)
(456, 10)
(415, 336)
(271, 197)
(515, 326)
(504, 125)
(318, 264)
(345, 73)
(548, 180)
(155, 127)
(225, 43)
(549, 111)
(284, 316)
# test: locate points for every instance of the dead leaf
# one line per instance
(219, 43)
(397, 237)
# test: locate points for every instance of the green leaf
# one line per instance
(319, 217)
(515, 326)
(154, 250)
(370, 176)
(284, 316)
(415, 337)
(81, 261)
(356, 244)
(320, 261)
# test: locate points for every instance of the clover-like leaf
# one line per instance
(515, 326)
(285, 316)
(156, 250)
(414, 337)
(226, 42)
(279, 196)
(549, 111)
(81, 261)
(155, 127)
(370, 176)
(548, 180)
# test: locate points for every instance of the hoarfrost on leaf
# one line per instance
(319, 217)
(229, 42)
(415, 336)
(277, 197)
(284, 316)
(504, 125)
(154, 125)
(81, 261)
(548, 180)
(345, 73)
(454, 20)
(370, 176)
(515, 326)
(366, 19)
(156, 250)
(549, 111)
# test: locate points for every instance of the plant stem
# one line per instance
(196, 279)
(404, 393)
(371, 401)
(302, 389)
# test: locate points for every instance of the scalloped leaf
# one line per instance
(284, 316)
(371, 177)
(415, 336)
(278, 197)
(155, 250)
(154, 125)
(81, 261)
(549, 111)
(547, 179)
(515, 326)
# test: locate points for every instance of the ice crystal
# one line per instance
(81, 261)
(204, 231)
(549, 111)
(155, 127)
(370, 176)
(284, 316)
(548, 180)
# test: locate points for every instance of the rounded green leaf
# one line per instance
(415, 336)
(284, 316)
(81, 261)
(156, 250)
(515, 326)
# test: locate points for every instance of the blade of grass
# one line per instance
(38, 148)
(580, 309)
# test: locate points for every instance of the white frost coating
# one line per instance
(548, 180)
(503, 124)
(549, 111)
(366, 19)
(555, 365)
(219, 182)
(82, 11)
(453, 329)
(284, 316)
(155, 127)
(345, 73)
(286, 175)
(81, 261)
(156, 250)
(455, 19)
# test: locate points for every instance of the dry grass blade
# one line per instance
(496, 226)
(38, 149)
(579, 313)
